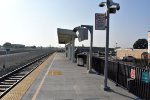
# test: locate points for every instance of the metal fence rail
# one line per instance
(120, 73)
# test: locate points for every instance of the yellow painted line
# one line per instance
(54, 72)
(39, 88)
(20, 89)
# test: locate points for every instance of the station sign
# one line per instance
(100, 21)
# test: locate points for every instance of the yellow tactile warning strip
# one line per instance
(55, 72)
(18, 91)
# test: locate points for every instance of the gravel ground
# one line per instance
(10, 62)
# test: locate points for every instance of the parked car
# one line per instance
(129, 58)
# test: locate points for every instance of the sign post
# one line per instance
(100, 21)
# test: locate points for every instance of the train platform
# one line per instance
(60, 79)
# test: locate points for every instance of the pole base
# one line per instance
(90, 71)
(107, 88)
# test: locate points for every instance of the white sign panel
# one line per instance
(100, 21)
(148, 42)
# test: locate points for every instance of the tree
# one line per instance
(7, 45)
(140, 44)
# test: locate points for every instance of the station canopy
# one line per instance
(65, 35)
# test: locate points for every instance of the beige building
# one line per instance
(137, 53)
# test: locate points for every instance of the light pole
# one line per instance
(116, 51)
(90, 28)
(111, 8)
(116, 45)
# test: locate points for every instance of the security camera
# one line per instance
(74, 30)
(118, 7)
(102, 4)
(112, 10)
(111, 2)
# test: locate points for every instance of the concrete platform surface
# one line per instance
(63, 80)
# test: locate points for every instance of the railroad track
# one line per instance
(10, 80)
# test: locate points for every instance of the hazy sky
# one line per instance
(35, 22)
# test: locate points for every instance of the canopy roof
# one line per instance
(65, 35)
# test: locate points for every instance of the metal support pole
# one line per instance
(72, 56)
(65, 50)
(106, 88)
(90, 52)
(116, 51)
(90, 28)
(69, 51)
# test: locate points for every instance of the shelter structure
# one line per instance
(67, 37)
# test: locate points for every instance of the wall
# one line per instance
(130, 52)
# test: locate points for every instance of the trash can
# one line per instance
(80, 61)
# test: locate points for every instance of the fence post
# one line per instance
(117, 74)
(148, 96)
